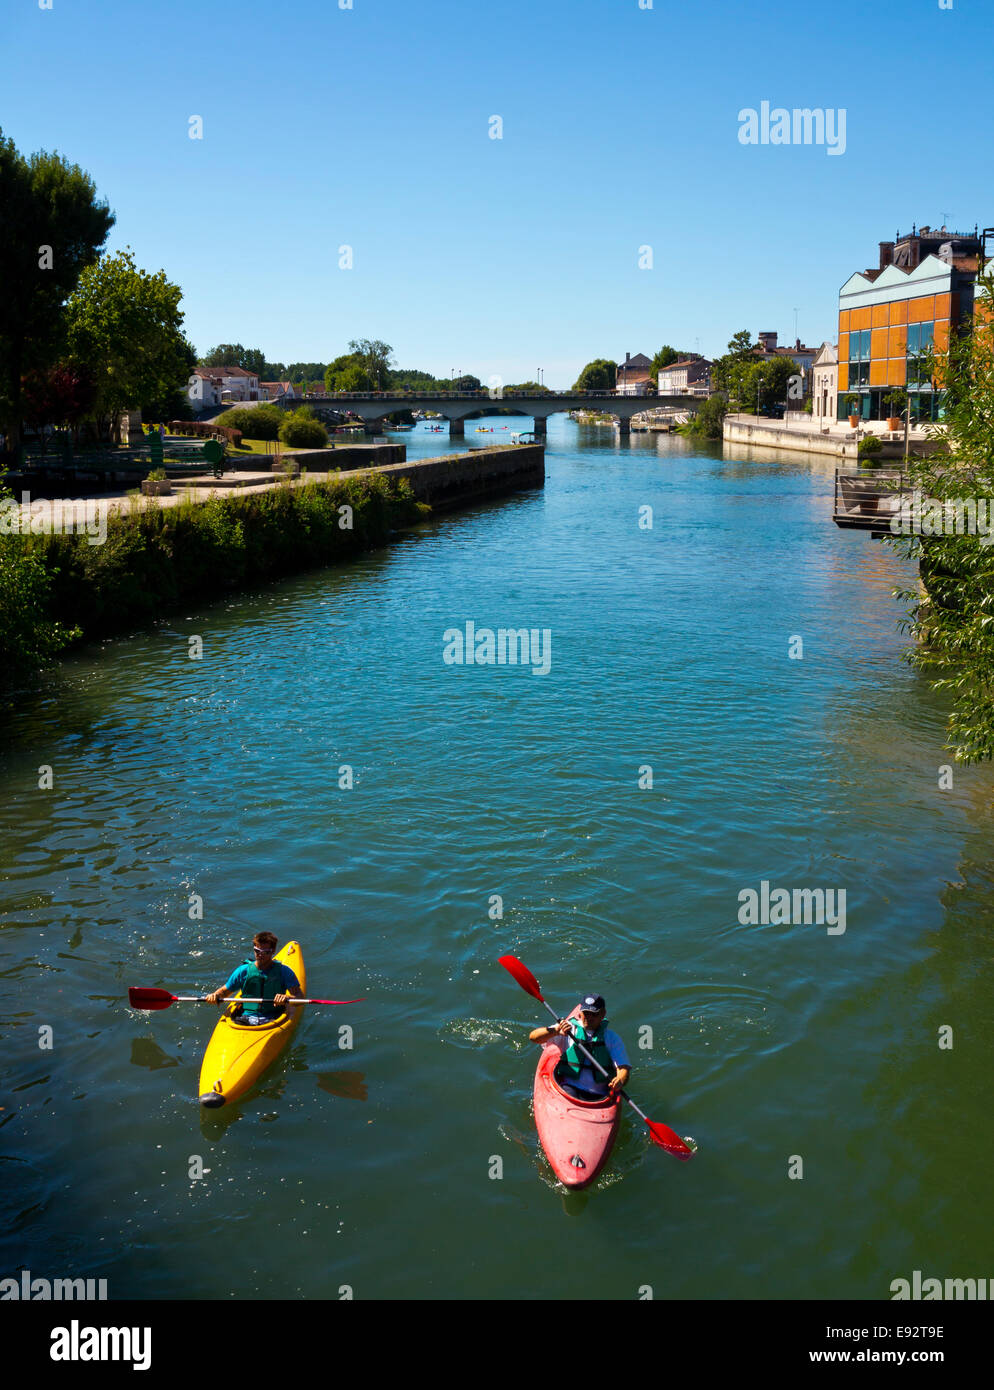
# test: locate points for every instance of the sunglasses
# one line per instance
(263, 950)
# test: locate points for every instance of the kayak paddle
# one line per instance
(161, 999)
(660, 1134)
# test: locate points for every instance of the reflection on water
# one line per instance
(217, 782)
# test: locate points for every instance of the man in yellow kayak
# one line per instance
(266, 984)
(573, 1073)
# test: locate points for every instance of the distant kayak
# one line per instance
(577, 1135)
(238, 1054)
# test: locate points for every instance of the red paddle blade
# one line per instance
(669, 1140)
(339, 1001)
(523, 975)
(150, 998)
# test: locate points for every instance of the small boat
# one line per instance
(238, 1054)
(577, 1135)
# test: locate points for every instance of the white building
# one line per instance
(204, 388)
(278, 390)
(691, 376)
(226, 385)
(825, 386)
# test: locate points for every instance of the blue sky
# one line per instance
(369, 128)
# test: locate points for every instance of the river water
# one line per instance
(407, 1165)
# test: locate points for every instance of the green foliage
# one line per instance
(28, 635)
(708, 421)
(301, 430)
(254, 421)
(303, 373)
(45, 204)
(869, 446)
(158, 559)
(954, 624)
(347, 374)
(126, 325)
(897, 400)
(599, 375)
(250, 359)
(724, 369)
(853, 404)
(753, 382)
(663, 358)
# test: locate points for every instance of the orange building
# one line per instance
(891, 318)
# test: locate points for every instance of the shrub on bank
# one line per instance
(255, 422)
(302, 430)
(157, 559)
(28, 636)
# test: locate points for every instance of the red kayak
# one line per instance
(577, 1135)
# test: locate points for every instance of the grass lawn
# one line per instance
(261, 446)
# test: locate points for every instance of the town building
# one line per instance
(226, 384)
(689, 376)
(892, 317)
(767, 348)
(633, 375)
(277, 391)
(825, 385)
(204, 388)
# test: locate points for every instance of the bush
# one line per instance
(28, 637)
(157, 559)
(301, 430)
(255, 422)
(868, 448)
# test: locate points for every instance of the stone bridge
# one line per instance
(459, 406)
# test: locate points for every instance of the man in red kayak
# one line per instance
(265, 983)
(573, 1073)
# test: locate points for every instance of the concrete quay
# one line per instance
(838, 439)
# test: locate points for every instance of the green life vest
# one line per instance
(261, 987)
(574, 1060)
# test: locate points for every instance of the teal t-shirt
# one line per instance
(288, 980)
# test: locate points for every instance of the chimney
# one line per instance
(886, 254)
(628, 356)
(768, 341)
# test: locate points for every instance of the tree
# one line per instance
(599, 375)
(51, 228)
(347, 374)
(663, 358)
(754, 383)
(953, 625)
(250, 359)
(740, 349)
(529, 388)
(301, 373)
(708, 421)
(467, 383)
(126, 325)
(62, 395)
(374, 358)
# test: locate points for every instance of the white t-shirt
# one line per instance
(589, 1079)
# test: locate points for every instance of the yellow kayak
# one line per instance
(238, 1054)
